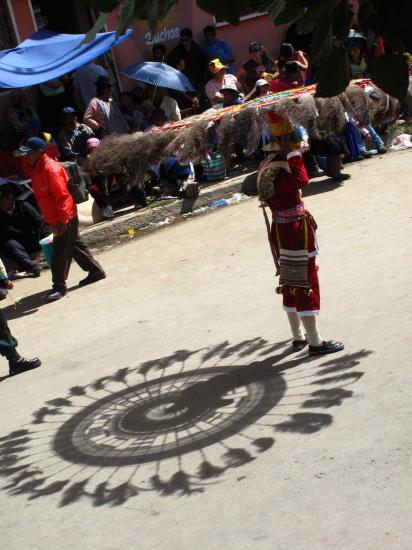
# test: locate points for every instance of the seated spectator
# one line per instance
(291, 78)
(139, 93)
(221, 79)
(288, 53)
(84, 81)
(103, 115)
(231, 96)
(21, 228)
(73, 137)
(159, 53)
(191, 53)
(216, 48)
(36, 131)
(357, 61)
(262, 87)
(258, 63)
(134, 116)
(157, 120)
(173, 175)
(99, 185)
(159, 100)
(20, 116)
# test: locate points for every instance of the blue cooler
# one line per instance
(46, 245)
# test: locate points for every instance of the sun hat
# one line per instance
(217, 65)
(261, 82)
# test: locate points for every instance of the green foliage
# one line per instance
(390, 72)
(225, 10)
(333, 73)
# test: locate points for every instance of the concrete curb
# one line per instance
(103, 232)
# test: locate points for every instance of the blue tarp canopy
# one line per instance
(47, 55)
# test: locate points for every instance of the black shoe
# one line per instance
(316, 173)
(93, 278)
(20, 364)
(326, 347)
(341, 177)
(298, 345)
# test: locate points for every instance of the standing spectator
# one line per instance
(99, 185)
(50, 187)
(159, 100)
(20, 116)
(288, 53)
(84, 81)
(8, 343)
(103, 115)
(159, 53)
(73, 137)
(258, 63)
(216, 48)
(193, 56)
(53, 97)
(291, 78)
(21, 228)
(221, 79)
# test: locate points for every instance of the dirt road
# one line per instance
(169, 412)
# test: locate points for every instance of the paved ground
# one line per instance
(169, 413)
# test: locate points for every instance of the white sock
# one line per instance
(314, 338)
(295, 325)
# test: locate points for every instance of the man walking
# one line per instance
(50, 187)
(8, 343)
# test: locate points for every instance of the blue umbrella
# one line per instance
(159, 74)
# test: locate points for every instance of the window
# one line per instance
(7, 38)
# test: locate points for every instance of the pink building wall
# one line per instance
(259, 29)
(188, 14)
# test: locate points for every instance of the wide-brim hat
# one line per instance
(229, 89)
(217, 65)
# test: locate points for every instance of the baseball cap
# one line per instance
(34, 144)
(68, 110)
(217, 65)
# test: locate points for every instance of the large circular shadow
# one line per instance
(169, 416)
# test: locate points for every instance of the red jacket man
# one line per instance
(50, 187)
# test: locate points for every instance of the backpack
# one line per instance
(77, 182)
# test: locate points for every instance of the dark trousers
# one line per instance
(7, 342)
(17, 251)
(67, 247)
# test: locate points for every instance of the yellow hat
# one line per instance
(217, 65)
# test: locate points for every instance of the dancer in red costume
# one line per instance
(293, 241)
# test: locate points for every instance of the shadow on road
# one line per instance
(173, 425)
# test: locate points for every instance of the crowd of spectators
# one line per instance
(76, 111)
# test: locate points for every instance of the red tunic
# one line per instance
(290, 235)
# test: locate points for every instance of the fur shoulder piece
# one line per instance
(269, 172)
